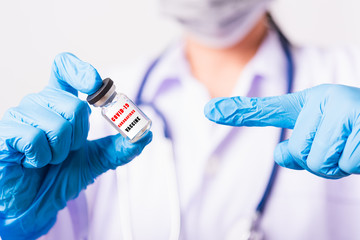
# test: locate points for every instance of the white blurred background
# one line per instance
(108, 31)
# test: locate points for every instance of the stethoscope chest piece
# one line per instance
(244, 229)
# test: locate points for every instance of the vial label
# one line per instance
(127, 117)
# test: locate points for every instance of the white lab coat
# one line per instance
(220, 172)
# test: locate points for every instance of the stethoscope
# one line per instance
(253, 231)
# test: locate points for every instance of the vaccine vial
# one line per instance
(120, 111)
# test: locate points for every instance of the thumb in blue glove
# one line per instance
(45, 157)
(325, 120)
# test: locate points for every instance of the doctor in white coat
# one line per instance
(201, 180)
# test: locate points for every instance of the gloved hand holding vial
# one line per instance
(45, 157)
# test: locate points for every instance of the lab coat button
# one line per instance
(212, 166)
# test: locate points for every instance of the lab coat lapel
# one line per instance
(149, 187)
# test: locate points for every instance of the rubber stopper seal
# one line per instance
(101, 92)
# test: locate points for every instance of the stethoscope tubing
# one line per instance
(290, 75)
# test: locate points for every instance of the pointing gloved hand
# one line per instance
(325, 122)
(45, 157)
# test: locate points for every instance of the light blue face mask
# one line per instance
(217, 23)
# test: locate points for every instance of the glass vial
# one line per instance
(120, 111)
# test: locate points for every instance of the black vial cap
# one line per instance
(101, 92)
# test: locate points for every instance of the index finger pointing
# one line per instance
(280, 111)
(71, 74)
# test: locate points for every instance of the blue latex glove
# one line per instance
(45, 158)
(325, 119)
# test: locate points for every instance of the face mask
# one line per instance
(216, 23)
